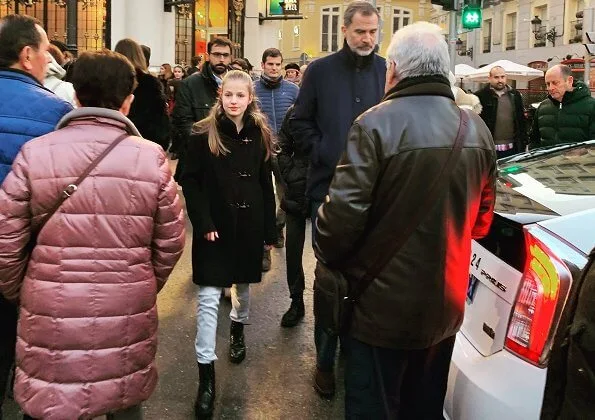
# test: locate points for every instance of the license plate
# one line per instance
(471, 288)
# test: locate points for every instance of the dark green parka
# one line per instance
(569, 121)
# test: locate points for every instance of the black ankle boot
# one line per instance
(294, 314)
(205, 399)
(237, 347)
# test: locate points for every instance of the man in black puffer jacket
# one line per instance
(293, 166)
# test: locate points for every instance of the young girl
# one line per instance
(230, 200)
(172, 86)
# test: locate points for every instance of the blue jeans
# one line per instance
(326, 344)
(206, 317)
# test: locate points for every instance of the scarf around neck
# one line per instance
(270, 82)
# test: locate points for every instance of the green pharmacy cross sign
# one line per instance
(471, 17)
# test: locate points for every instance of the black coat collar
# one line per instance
(228, 127)
(355, 60)
(421, 86)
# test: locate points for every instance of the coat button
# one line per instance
(358, 100)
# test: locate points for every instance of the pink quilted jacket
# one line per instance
(87, 332)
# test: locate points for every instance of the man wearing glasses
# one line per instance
(198, 93)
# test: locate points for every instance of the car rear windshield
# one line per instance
(570, 171)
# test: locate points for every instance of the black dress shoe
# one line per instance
(237, 346)
(280, 239)
(324, 383)
(294, 314)
(205, 398)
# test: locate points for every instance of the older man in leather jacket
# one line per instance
(402, 335)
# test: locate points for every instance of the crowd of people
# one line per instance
(91, 224)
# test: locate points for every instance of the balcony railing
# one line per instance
(487, 44)
(510, 41)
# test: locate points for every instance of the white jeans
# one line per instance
(206, 317)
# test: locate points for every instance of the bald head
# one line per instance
(497, 78)
(558, 81)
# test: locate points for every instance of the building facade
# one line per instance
(82, 25)
(319, 32)
(537, 33)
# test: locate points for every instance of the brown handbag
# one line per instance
(69, 190)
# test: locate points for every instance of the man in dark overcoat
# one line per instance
(335, 90)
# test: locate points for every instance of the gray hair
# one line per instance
(419, 49)
(359, 6)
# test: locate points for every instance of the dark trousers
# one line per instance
(396, 384)
(294, 250)
(8, 336)
(131, 413)
(326, 343)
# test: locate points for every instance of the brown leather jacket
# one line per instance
(87, 332)
(394, 152)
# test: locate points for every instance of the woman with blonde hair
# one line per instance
(229, 195)
(149, 109)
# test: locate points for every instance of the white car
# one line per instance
(520, 277)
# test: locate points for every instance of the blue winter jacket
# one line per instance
(275, 102)
(27, 110)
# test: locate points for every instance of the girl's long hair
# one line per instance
(209, 124)
(130, 49)
(169, 74)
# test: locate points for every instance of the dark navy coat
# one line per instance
(335, 90)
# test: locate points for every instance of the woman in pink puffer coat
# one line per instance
(87, 332)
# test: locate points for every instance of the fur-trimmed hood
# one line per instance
(462, 99)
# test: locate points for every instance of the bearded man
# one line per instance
(335, 90)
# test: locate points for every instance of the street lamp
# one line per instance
(462, 51)
(541, 34)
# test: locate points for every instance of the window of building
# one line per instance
(541, 13)
(184, 32)
(90, 31)
(576, 23)
(511, 31)
(329, 41)
(295, 39)
(487, 35)
(401, 18)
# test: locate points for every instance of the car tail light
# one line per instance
(534, 314)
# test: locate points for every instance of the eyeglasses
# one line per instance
(220, 55)
(388, 63)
